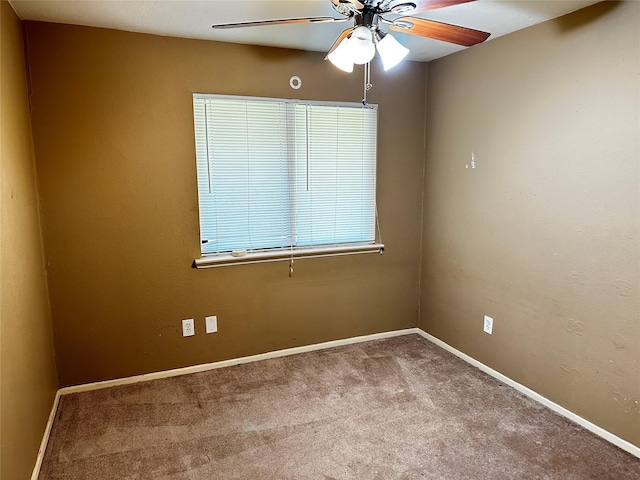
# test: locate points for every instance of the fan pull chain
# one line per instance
(367, 81)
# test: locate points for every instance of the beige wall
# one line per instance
(113, 134)
(544, 233)
(28, 379)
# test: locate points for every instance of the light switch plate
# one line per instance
(211, 324)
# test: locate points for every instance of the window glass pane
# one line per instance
(243, 187)
(335, 175)
(277, 173)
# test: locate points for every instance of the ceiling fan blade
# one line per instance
(341, 37)
(424, 5)
(284, 21)
(439, 31)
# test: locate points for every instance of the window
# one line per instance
(280, 178)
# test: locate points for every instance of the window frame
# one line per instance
(237, 257)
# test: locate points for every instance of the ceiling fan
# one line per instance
(358, 44)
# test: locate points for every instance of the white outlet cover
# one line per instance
(188, 328)
(211, 324)
(488, 325)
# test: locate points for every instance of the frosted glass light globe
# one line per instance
(361, 47)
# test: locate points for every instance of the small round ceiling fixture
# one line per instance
(295, 82)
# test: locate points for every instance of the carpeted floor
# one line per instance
(400, 408)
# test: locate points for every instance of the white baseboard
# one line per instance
(234, 361)
(601, 432)
(623, 444)
(45, 437)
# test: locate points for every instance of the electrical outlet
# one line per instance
(488, 325)
(211, 324)
(188, 329)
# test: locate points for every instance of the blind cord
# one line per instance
(378, 228)
(367, 82)
(206, 139)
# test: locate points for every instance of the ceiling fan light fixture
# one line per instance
(341, 56)
(360, 46)
(391, 51)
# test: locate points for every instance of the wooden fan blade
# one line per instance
(424, 5)
(341, 37)
(285, 21)
(440, 31)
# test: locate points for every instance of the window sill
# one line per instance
(226, 259)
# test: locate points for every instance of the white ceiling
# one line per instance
(193, 19)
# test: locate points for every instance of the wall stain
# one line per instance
(613, 389)
(579, 277)
(619, 341)
(623, 287)
(628, 404)
(569, 369)
(575, 326)
(473, 161)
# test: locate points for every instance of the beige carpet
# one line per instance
(400, 408)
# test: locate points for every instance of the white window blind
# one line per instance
(281, 174)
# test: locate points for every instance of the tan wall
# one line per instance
(544, 233)
(113, 133)
(27, 373)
